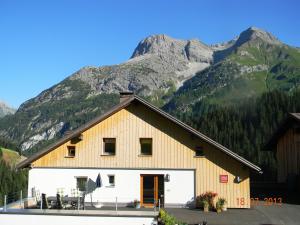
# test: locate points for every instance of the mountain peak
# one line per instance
(156, 44)
(5, 109)
(174, 50)
(254, 33)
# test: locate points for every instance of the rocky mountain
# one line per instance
(252, 64)
(168, 72)
(5, 109)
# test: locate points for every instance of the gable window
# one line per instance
(71, 151)
(111, 180)
(146, 146)
(109, 146)
(81, 183)
(199, 151)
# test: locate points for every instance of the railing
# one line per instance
(18, 201)
(14, 200)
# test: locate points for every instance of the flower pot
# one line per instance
(206, 208)
(137, 205)
(219, 210)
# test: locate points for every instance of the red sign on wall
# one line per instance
(223, 178)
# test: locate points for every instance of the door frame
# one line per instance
(156, 197)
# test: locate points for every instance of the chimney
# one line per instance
(124, 95)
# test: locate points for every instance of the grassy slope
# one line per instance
(11, 157)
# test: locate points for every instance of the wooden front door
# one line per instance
(152, 189)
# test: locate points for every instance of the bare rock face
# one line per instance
(157, 62)
(173, 49)
(254, 34)
(5, 109)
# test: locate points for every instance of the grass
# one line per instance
(251, 85)
(10, 156)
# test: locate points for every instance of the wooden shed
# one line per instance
(285, 142)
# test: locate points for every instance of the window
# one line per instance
(146, 146)
(199, 151)
(81, 183)
(71, 151)
(109, 146)
(111, 180)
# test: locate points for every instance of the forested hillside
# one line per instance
(11, 180)
(245, 128)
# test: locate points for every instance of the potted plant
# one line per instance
(208, 197)
(136, 204)
(220, 205)
(205, 205)
(223, 203)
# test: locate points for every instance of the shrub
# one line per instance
(221, 201)
(168, 219)
(208, 197)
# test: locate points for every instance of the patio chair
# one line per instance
(60, 204)
(74, 193)
(60, 191)
(37, 196)
(82, 201)
(44, 202)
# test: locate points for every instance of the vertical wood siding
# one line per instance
(288, 155)
(172, 148)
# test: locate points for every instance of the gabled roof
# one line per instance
(291, 119)
(122, 105)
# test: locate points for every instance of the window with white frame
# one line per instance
(111, 180)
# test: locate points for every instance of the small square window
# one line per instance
(109, 146)
(111, 180)
(71, 151)
(199, 151)
(146, 146)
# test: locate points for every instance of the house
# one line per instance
(285, 142)
(137, 151)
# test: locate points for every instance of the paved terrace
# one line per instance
(286, 214)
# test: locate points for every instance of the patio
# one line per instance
(287, 214)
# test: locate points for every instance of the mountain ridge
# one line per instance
(168, 72)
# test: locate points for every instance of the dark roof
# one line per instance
(296, 116)
(291, 119)
(122, 105)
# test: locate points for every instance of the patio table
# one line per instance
(67, 199)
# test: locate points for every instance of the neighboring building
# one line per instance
(137, 151)
(286, 143)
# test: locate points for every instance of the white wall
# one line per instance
(179, 190)
(14, 219)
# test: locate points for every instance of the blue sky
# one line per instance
(43, 42)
